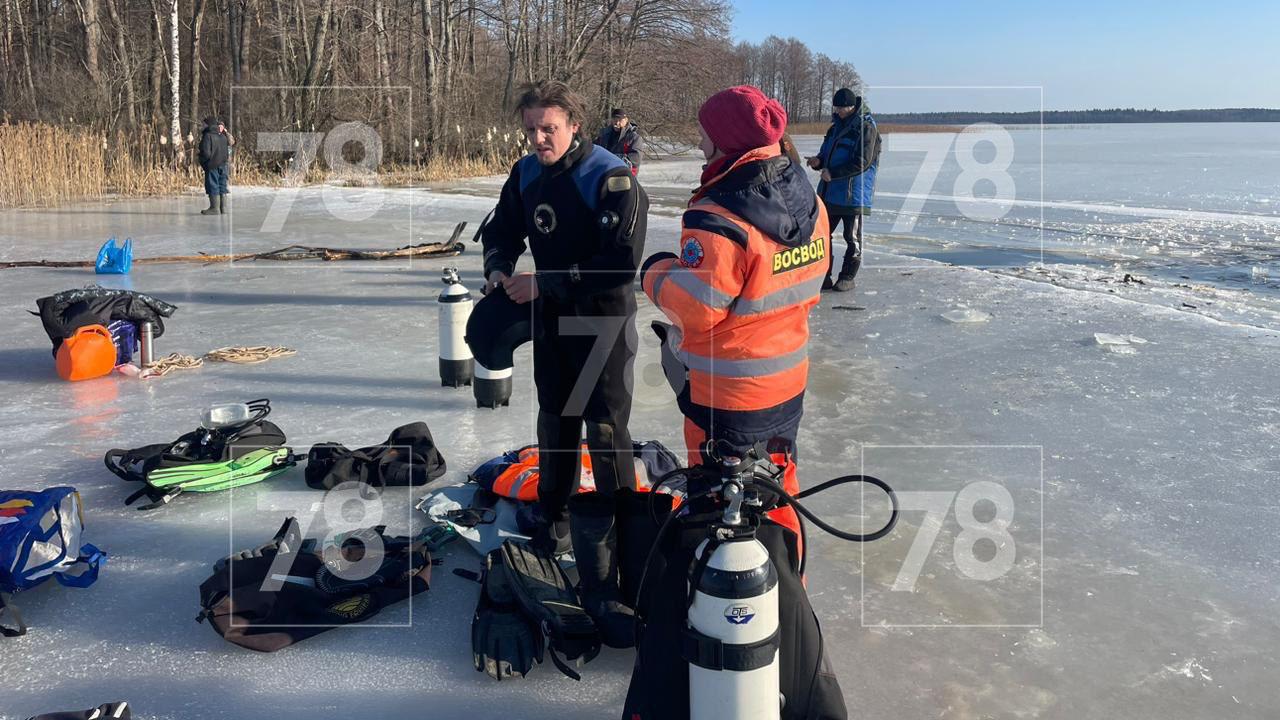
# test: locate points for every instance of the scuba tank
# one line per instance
(727, 630)
(733, 617)
(492, 388)
(456, 363)
(497, 327)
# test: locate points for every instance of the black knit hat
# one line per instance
(618, 113)
(212, 121)
(844, 97)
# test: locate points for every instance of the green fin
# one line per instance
(249, 468)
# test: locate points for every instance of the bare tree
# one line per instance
(87, 11)
(125, 62)
(193, 83)
(175, 73)
(462, 59)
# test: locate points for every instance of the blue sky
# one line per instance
(1085, 53)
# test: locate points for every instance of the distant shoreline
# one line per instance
(886, 128)
(1083, 117)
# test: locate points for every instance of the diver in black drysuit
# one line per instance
(584, 219)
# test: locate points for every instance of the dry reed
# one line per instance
(45, 165)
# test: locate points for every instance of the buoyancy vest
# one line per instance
(514, 474)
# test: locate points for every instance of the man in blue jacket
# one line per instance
(848, 160)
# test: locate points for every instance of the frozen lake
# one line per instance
(1193, 201)
(1137, 576)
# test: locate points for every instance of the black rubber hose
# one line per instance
(852, 537)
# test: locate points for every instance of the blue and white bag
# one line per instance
(40, 539)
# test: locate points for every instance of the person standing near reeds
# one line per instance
(215, 153)
(848, 160)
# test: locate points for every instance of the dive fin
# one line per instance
(504, 643)
(205, 477)
(545, 595)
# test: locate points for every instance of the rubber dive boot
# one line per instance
(595, 550)
(559, 464)
(640, 518)
(215, 202)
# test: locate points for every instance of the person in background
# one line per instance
(848, 160)
(622, 138)
(215, 153)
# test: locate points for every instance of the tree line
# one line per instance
(430, 76)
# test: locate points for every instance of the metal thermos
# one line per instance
(146, 354)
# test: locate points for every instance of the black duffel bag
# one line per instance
(408, 457)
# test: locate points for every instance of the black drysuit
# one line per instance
(584, 220)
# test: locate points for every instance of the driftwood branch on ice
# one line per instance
(293, 252)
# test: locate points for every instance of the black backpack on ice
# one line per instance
(408, 457)
(201, 445)
(290, 589)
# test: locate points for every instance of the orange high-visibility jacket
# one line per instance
(754, 249)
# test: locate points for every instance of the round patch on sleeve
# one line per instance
(691, 252)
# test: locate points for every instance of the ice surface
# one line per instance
(1111, 339)
(966, 315)
(1159, 549)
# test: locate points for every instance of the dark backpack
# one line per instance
(198, 446)
(280, 593)
(108, 711)
(408, 457)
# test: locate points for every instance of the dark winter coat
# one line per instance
(584, 220)
(214, 148)
(851, 153)
(62, 314)
(626, 143)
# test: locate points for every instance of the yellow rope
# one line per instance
(239, 355)
(248, 355)
(168, 364)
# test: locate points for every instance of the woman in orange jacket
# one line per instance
(754, 250)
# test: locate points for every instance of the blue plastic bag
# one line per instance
(114, 259)
(40, 539)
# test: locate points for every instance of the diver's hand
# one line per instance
(826, 175)
(815, 162)
(521, 287)
(496, 278)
